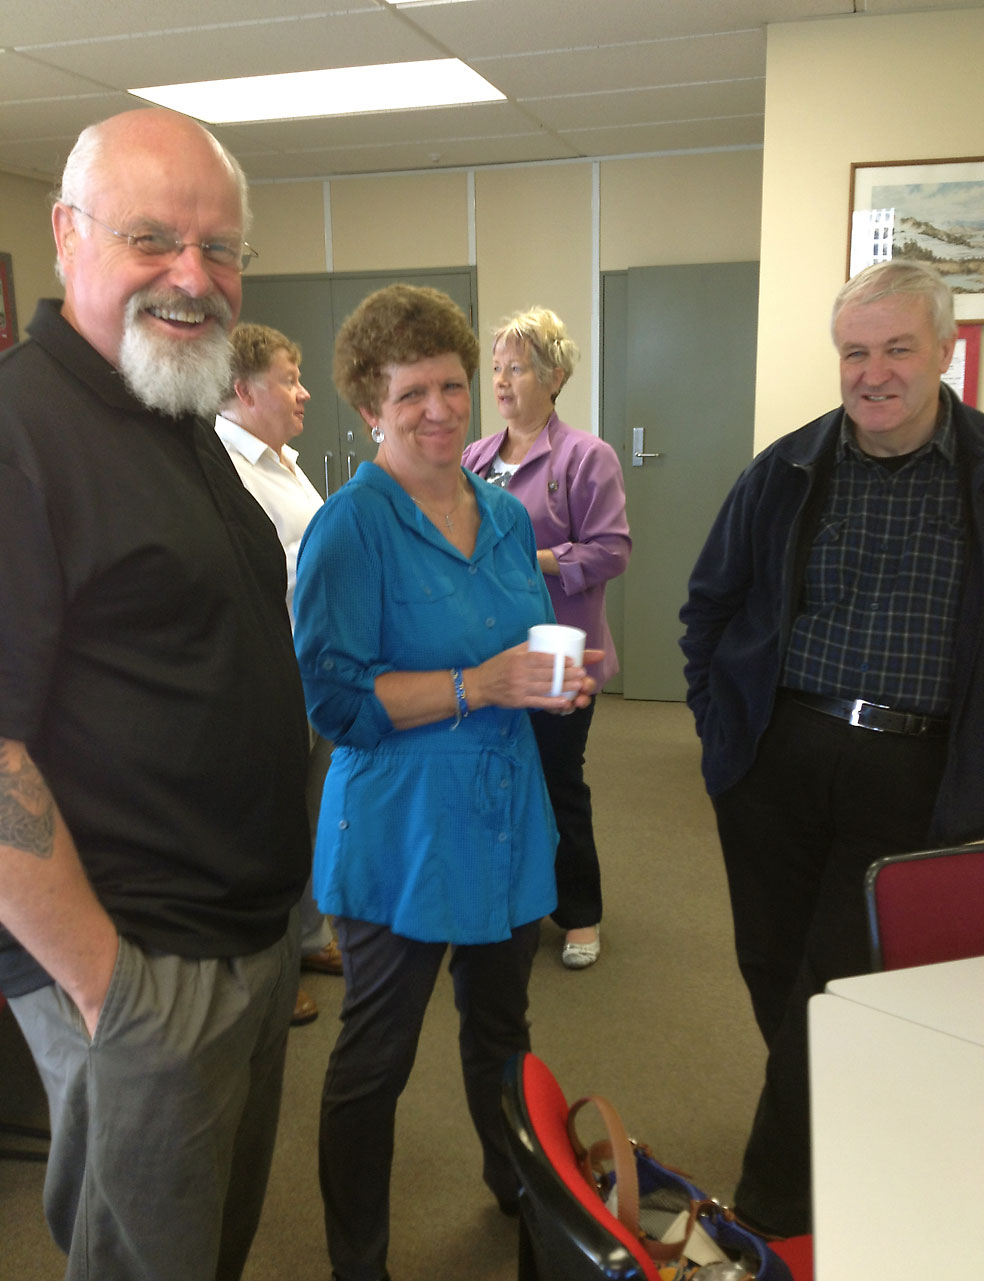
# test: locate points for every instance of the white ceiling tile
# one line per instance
(488, 27)
(680, 135)
(257, 48)
(915, 6)
(47, 22)
(20, 122)
(24, 79)
(612, 77)
(343, 160)
(718, 57)
(683, 102)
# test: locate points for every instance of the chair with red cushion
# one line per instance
(926, 907)
(566, 1233)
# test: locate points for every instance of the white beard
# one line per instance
(171, 376)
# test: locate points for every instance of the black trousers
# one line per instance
(562, 741)
(388, 984)
(822, 802)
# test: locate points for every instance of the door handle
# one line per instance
(637, 447)
(328, 457)
(348, 464)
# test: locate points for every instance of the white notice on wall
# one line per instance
(955, 375)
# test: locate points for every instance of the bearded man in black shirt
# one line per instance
(153, 838)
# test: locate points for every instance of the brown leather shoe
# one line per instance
(305, 1009)
(327, 961)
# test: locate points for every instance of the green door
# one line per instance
(689, 338)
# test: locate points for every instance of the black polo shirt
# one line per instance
(146, 657)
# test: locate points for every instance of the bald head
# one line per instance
(144, 130)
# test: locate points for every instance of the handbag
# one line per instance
(681, 1228)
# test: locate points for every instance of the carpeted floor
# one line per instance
(661, 1025)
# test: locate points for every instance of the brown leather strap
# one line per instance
(618, 1148)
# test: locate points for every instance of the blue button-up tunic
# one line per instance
(443, 832)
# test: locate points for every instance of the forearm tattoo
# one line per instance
(27, 811)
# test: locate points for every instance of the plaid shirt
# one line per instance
(882, 583)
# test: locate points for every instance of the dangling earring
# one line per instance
(377, 434)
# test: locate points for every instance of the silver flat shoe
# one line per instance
(578, 956)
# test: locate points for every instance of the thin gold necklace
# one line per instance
(448, 514)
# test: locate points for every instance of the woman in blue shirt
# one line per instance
(415, 590)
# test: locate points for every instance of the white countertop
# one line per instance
(948, 997)
(897, 1122)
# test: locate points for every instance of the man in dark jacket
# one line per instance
(834, 665)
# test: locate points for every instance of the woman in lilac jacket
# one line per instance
(570, 482)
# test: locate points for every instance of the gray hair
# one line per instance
(544, 335)
(901, 276)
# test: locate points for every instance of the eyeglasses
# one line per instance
(159, 244)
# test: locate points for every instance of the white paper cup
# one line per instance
(563, 642)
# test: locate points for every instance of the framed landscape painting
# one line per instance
(931, 210)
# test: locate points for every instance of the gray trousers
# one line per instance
(163, 1124)
(388, 983)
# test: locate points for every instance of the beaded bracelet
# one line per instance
(459, 694)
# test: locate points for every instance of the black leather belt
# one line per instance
(872, 715)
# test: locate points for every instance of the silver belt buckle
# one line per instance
(858, 706)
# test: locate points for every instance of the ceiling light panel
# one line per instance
(341, 91)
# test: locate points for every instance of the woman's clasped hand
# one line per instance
(518, 677)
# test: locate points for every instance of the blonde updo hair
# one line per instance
(544, 335)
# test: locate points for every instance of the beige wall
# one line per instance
(842, 91)
(681, 209)
(402, 221)
(288, 228)
(535, 231)
(25, 234)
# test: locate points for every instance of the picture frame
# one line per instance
(8, 307)
(931, 210)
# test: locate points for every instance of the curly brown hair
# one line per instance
(397, 326)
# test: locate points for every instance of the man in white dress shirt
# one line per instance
(265, 410)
